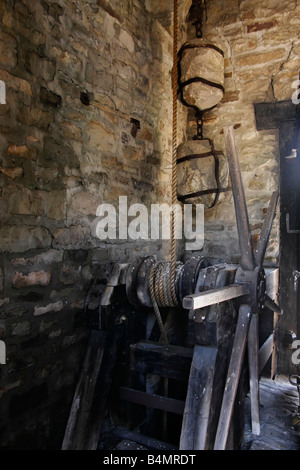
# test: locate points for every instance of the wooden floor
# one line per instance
(278, 407)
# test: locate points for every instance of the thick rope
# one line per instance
(152, 277)
(162, 275)
(174, 150)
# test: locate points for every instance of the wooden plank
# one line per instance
(272, 290)
(114, 343)
(151, 400)
(270, 115)
(233, 376)
(272, 282)
(262, 243)
(164, 360)
(202, 407)
(214, 296)
(271, 305)
(253, 361)
(118, 277)
(77, 428)
(247, 261)
(266, 351)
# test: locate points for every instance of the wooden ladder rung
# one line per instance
(150, 400)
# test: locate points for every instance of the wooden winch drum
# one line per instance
(201, 74)
(202, 173)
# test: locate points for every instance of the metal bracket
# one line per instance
(287, 220)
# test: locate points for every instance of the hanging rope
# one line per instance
(174, 151)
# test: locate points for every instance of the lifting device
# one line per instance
(146, 347)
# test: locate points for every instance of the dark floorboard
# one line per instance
(278, 422)
(279, 430)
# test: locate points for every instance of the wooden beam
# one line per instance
(164, 360)
(233, 376)
(151, 400)
(214, 296)
(271, 115)
(77, 430)
(114, 343)
(266, 351)
(199, 395)
(253, 360)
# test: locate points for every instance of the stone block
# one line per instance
(69, 275)
(70, 131)
(39, 278)
(83, 203)
(259, 26)
(12, 173)
(16, 83)
(21, 328)
(49, 257)
(66, 61)
(8, 52)
(200, 60)
(126, 40)
(35, 116)
(260, 58)
(71, 236)
(41, 67)
(54, 307)
(54, 204)
(56, 154)
(100, 139)
(14, 239)
(25, 202)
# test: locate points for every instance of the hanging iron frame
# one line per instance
(218, 189)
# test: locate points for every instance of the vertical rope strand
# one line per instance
(174, 150)
(174, 187)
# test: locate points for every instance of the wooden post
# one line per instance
(253, 359)
(77, 430)
(233, 376)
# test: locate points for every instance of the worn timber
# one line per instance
(164, 360)
(78, 430)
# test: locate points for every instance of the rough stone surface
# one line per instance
(77, 77)
(201, 61)
(21, 239)
(88, 118)
(40, 278)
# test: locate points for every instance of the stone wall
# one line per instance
(87, 119)
(260, 40)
